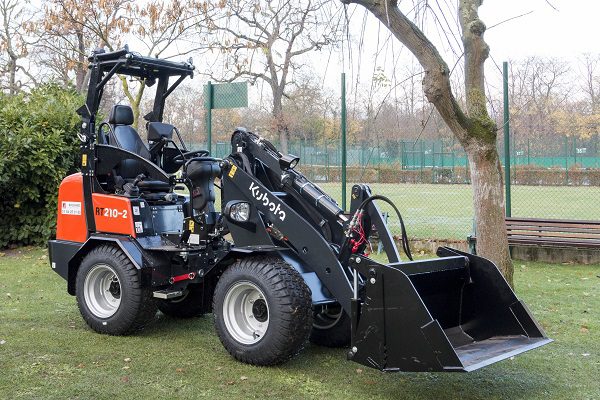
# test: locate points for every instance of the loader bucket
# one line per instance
(455, 313)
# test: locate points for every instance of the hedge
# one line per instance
(38, 148)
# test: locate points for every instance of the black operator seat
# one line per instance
(124, 136)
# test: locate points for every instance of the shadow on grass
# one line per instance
(499, 381)
(323, 371)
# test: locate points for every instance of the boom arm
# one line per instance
(296, 214)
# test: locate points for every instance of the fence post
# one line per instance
(209, 106)
(422, 158)
(566, 160)
(343, 124)
(575, 150)
(507, 183)
(378, 161)
(433, 161)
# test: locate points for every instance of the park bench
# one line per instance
(549, 233)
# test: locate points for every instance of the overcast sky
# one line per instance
(552, 28)
(555, 28)
(570, 30)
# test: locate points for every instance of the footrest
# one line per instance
(167, 294)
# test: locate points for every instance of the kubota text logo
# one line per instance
(275, 208)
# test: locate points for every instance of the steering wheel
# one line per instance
(204, 159)
(178, 159)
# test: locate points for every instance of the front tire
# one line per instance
(262, 310)
(109, 293)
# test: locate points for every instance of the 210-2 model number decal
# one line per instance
(111, 212)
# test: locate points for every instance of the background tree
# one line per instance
(264, 40)
(470, 123)
(545, 106)
(66, 43)
(15, 44)
(105, 23)
(589, 75)
(311, 111)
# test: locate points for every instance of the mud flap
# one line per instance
(455, 313)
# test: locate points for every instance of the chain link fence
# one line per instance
(429, 180)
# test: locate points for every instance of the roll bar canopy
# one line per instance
(104, 65)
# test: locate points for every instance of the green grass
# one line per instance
(48, 351)
(446, 211)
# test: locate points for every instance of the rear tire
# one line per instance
(331, 326)
(109, 293)
(188, 306)
(262, 308)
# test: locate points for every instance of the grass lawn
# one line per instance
(47, 351)
(446, 211)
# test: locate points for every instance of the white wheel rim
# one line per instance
(246, 312)
(102, 291)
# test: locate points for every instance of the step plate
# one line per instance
(167, 294)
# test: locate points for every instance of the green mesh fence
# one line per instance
(551, 177)
(430, 181)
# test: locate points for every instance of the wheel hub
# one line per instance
(246, 312)
(102, 291)
(259, 310)
(115, 288)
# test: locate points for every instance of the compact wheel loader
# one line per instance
(278, 265)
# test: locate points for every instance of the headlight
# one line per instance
(240, 212)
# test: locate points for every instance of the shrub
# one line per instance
(38, 148)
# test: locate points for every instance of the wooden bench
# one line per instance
(550, 233)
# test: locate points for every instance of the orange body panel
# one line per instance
(70, 223)
(113, 214)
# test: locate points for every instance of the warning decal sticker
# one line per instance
(70, 208)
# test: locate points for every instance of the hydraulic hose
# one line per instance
(404, 236)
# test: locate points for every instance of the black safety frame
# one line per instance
(103, 66)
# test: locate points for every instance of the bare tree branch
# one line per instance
(260, 40)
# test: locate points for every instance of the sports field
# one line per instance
(446, 211)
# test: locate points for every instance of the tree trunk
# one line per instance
(280, 122)
(134, 101)
(12, 76)
(472, 126)
(282, 131)
(488, 203)
(80, 69)
(283, 138)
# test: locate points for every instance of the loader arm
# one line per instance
(287, 229)
(451, 313)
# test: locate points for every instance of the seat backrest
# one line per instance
(122, 134)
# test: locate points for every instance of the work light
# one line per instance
(240, 211)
